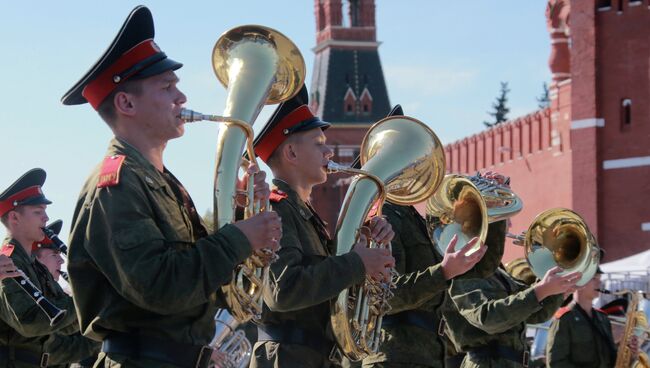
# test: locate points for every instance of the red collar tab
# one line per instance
(14, 200)
(7, 249)
(102, 86)
(276, 135)
(277, 195)
(109, 175)
(615, 310)
(562, 311)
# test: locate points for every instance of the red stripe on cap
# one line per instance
(102, 86)
(8, 204)
(276, 136)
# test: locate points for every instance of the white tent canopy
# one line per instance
(634, 263)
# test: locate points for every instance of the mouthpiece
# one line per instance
(190, 115)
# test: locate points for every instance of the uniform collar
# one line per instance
(18, 249)
(294, 198)
(151, 175)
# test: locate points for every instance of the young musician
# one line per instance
(295, 329)
(144, 271)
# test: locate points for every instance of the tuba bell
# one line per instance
(258, 65)
(402, 161)
(465, 205)
(560, 237)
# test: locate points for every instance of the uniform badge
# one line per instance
(7, 249)
(277, 195)
(109, 175)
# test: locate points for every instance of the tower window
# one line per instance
(626, 114)
(348, 108)
(365, 108)
(604, 4)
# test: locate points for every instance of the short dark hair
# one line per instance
(106, 109)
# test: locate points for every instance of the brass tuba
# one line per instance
(402, 161)
(230, 341)
(560, 237)
(258, 65)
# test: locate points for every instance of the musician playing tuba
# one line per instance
(294, 329)
(487, 311)
(144, 271)
(410, 328)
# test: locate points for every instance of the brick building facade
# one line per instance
(588, 151)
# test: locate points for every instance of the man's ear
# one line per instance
(124, 103)
(289, 152)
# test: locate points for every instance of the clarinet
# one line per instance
(56, 241)
(54, 314)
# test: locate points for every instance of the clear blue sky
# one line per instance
(443, 61)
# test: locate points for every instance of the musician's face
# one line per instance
(158, 107)
(589, 289)
(28, 221)
(51, 259)
(314, 154)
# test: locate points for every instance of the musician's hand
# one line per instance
(458, 262)
(501, 179)
(260, 186)
(218, 359)
(380, 230)
(553, 283)
(7, 268)
(264, 230)
(376, 261)
(633, 344)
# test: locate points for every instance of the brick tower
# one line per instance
(348, 88)
(590, 149)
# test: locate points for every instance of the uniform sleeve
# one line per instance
(22, 313)
(155, 273)
(297, 282)
(412, 289)
(549, 306)
(66, 349)
(558, 345)
(473, 301)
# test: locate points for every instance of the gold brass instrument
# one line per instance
(520, 269)
(258, 65)
(403, 161)
(465, 205)
(457, 208)
(636, 324)
(230, 341)
(560, 237)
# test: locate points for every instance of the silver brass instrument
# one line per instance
(402, 161)
(258, 65)
(230, 341)
(465, 205)
(560, 237)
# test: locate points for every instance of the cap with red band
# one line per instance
(291, 116)
(132, 55)
(24, 191)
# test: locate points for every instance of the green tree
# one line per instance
(544, 101)
(500, 109)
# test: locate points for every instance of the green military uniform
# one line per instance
(577, 340)
(24, 327)
(293, 330)
(66, 349)
(411, 328)
(487, 314)
(143, 270)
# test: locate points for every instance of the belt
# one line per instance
(495, 351)
(138, 347)
(24, 356)
(290, 334)
(424, 320)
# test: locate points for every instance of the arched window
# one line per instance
(626, 114)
